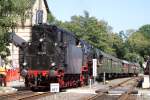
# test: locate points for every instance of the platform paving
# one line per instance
(89, 89)
(17, 83)
(11, 87)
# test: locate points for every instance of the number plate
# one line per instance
(54, 87)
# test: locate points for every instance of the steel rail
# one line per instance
(14, 94)
(35, 96)
(126, 95)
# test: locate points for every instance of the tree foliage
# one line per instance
(11, 12)
(139, 41)
(138, 44)
(118, 45)
(51, 19)
(145, 30)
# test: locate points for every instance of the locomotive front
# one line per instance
(43, 59)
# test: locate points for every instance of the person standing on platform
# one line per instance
(2, 75)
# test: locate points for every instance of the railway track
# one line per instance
(101, 95)
(124, 96)
(24, 95)
(13, 95)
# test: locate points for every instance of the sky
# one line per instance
(120, 14)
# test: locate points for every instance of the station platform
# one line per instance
(17, 83)
(89, 89)
(12, 86)
(146, 82)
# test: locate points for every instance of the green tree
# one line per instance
(11, 12)
(133, 57)
(50, 18)
(118, 45)
(138, 44)
(145, 30)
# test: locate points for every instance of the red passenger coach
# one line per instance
(131, 68)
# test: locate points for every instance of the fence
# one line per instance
(9, 75)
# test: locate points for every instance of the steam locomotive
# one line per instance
(55, 55)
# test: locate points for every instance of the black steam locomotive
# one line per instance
(56, 56)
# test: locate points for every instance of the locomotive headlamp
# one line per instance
(53, 64)
(41, 39)
(29, 43)
(55, 44)
(24, 64)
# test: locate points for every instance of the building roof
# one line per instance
(46, 5)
